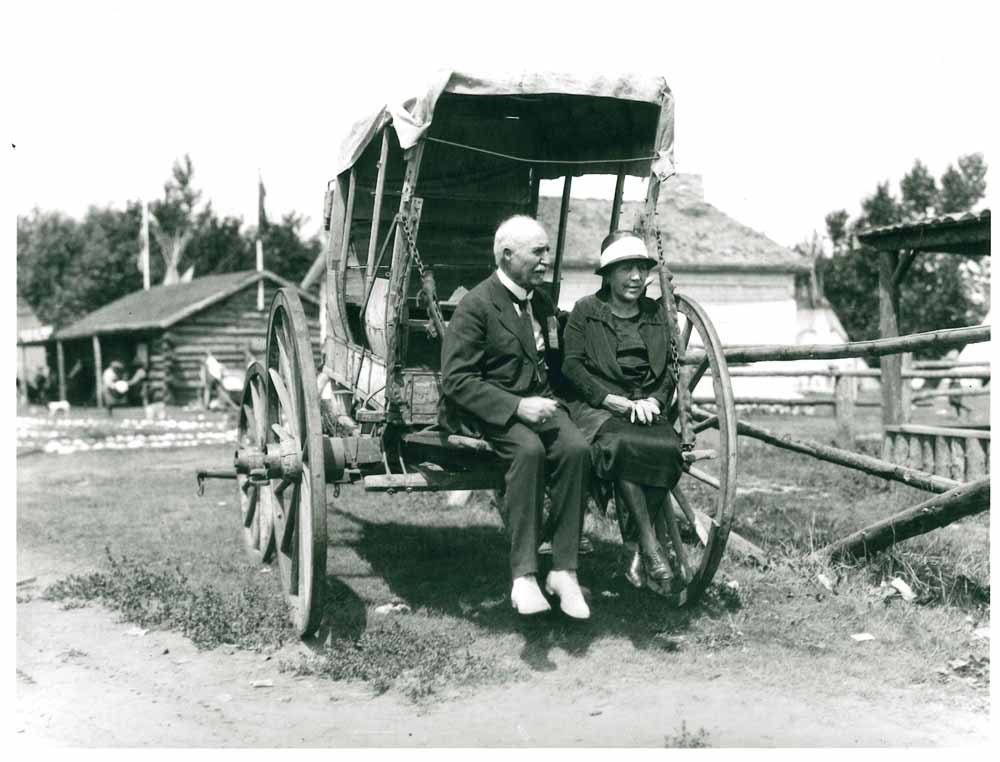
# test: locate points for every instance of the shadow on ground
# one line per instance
(463, 572)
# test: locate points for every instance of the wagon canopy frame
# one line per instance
(412, 118)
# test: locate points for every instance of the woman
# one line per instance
(617, 360)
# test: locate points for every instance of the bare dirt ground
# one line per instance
(86, 680)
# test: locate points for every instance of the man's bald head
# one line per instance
(521, 250)
(514, 231)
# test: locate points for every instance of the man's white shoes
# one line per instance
(527, 598)
(564, 584)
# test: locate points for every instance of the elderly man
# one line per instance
(495, 368)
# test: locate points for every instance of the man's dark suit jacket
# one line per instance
(489, 361)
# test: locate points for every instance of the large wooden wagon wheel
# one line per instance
(254, 490)
(295, 437)
(697, 533)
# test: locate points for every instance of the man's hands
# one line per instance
(618, 404)
(533, 410)
(638, 411)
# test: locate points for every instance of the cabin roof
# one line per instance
(695, 234)
(961, 233)
(163, 306)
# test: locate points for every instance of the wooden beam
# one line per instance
(845, 396)
(383, 161)
(22, 371)
(98, 365)
(970, 237)
(536, 186)
(864, 463)
(399, 278)
(905, 262)
(616, 201)
(888, 326)
(61, 366)
(936, 340)
(337, 248)
(977, 372)
(561, 239)
(939, 511)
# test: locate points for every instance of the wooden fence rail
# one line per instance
(935, 340)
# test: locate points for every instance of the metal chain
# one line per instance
(428, 289)
(675, 360)
(411, 244)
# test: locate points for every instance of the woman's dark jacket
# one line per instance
(590, 362)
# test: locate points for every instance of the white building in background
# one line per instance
(754, 290)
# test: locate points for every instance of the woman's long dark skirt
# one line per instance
(647, 455)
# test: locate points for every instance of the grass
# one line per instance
(684, 739)
(130, 533)
(160, 595)
(417, 662)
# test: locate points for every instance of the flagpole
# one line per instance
(260, 244)
(145, 246)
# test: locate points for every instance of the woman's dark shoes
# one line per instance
(656, 566)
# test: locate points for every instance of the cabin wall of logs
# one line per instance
(229, 330)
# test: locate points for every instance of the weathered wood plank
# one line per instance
(940, 510)
(975, 460)
(942, 456)
(888, 323)
(865, 463)
(845, 394)
(930, 340)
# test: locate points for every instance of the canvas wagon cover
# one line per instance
(412, 117)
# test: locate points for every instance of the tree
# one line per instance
(174, 219)
(941, 290)
(920, 192)
(836, 228)
(880, 208)
(67, 268)
(962, 188)
(286, 253)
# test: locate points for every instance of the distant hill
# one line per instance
(693, 231)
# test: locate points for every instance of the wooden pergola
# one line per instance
(898, 246)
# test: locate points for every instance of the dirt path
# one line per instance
(84, 679)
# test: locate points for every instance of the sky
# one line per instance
(787, 110)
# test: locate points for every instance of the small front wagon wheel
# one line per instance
(294, 434)
(256, 510)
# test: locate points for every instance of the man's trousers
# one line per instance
(553, 454)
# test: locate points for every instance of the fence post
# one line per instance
(845, 391)
(906, 388)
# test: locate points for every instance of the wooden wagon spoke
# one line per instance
(252, 424)
(712, 422)
(285, 369)
(285, 399)
(681, 499)
(258, 410)
(675, 539)
(295, 549)
(698, 373)
(685, 337)
(701, 476)
(285, 541)
(251, 512)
